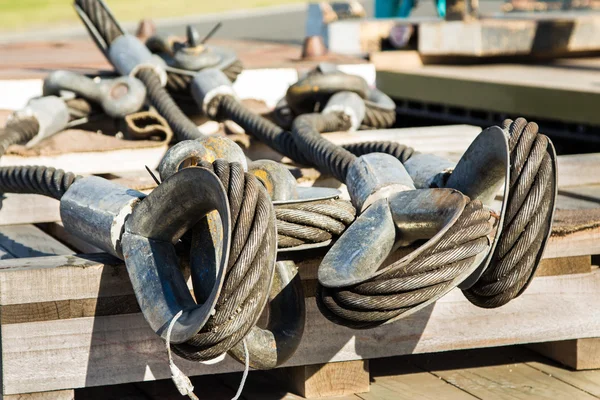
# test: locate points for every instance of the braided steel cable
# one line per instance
(98, 15)
(527, 221)
(179, 84)
(250, 269)
(159, 97)
(46, 181)
(403, 286)
(282, 141)
(328, 157)
(400, 151)
(312, 222)
(377, 117)
(19, 131)
(183, 128)
(517, 254)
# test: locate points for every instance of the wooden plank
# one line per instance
(578, 170)
(588, 381)
(564, 265)
(579, 354)
(330, 379)
(92, 278)
(27, 209)
(574, 233)
(24, 241)
(115, 392)
(205, 387)
(114, 161)
(579, 198)
(122, 348)
(492, 374)
(551, 36)
(260, 385)
(54, 395)
(395, 378)
(513, 89)
(58, 231)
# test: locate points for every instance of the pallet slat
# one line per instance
(122, 348)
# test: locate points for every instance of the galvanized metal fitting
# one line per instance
(155, 225)
(317, 88)
(117, 97)
(429, 170)
(376, 176)
(273, 345)
(95, 209)
(209, 84)
(190, 152)
(142, 230)
(51, 113)
(128, 55)
(224, 148)
(276, 178)
(480, 174)
(350, 104)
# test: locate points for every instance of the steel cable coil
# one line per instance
(249, 272)
(527, 221)
(404, 286)
(312, 222)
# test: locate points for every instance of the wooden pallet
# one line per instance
(547, 36)
(562, 92)
(70, 321)
(493, 373)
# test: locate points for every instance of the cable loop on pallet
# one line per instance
(249, 273)
(528, 217)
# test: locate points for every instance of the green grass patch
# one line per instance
(23, 15)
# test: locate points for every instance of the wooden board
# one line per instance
(397, 379)
(492, 374)
(553, 36)
(325, 380)
(496, 373)
(54, 395)
(539, 91)
(578, 354)
(122, 348)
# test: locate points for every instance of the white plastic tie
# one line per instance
(245, 374)
(183, 383)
